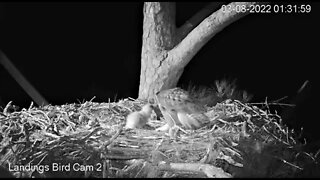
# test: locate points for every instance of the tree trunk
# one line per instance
(158, 33)
(166, 50)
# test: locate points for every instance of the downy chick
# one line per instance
(138, 119)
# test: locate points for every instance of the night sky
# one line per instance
(74, 51)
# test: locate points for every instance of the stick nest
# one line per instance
(88, 140)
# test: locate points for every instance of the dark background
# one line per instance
(74, 51)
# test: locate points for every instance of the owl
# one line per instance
(179, 108)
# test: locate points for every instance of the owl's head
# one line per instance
(173, 97)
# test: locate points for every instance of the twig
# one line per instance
(272, 103)
(113, 137)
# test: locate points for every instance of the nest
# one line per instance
(88, 140)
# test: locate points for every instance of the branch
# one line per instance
(209, 170)
(21, 80)
(196, 19)
(200, 35)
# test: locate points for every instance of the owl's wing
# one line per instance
(192, 121)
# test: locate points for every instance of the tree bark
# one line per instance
(166, 50)
(158, 32)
